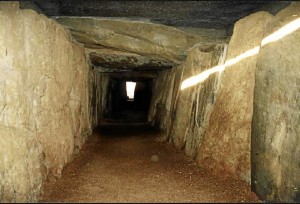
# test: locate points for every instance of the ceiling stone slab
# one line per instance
(137, 34)
(108, 58)
(147, 39)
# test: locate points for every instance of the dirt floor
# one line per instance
(129, 164)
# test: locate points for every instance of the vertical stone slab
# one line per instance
(43, 101)
(276, 117)
(98, 90)
(161, 102)
(79, 98)
(193, 104)
(182, 123)
(226, 146)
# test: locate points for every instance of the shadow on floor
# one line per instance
(126, 129)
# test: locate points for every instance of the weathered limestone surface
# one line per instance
(137, 37)
(44, 98)
(20, 165)
(123, 60)
(276, 121)
(184, 114)
(213, 123)
(193, 104)
(80, 98)
(226, 146)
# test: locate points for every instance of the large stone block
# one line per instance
(43, 98)
(276, 129)
(196, 62)
(192, 105)
(142, 38)
(226, 146)
(162, 99)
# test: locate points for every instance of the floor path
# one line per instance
(129, 164)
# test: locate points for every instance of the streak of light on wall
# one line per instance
(277, 35)
(282, 32)
(205, 74)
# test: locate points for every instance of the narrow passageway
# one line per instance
(128, 163)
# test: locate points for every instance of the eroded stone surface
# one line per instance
(276, 129)
(184, 114)
(20, 165)
(193, 104)
(44, 101)
(141, 38)
(122, 60)
(226, 146)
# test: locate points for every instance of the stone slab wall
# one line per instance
(161, 106)
(44, 101)
(216, 126)
(97, 93)
(276, 117)
(193, 104)
(49, 100)
(184, 114)
(226, 146)
(221, 128)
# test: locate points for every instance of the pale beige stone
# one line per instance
(183, 114)
(193, 104)
(123, 60)
(226, 146)
(44, 101)
(20, 165)
(138, 37)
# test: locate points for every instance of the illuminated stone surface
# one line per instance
(276, 122)
(226, 146)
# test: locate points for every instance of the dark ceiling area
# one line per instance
(200, 14)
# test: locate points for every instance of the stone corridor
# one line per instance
(214, 115)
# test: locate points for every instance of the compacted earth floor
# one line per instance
(128, 163)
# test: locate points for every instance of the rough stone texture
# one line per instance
(193, 104)
(184, 114)
(137, 37)
(276, 130)
(128, 61)
(46, 90)
(20, 165)
(226, 146)
(163, 98)
(80, 98)
(44, 113)
(97, 89)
